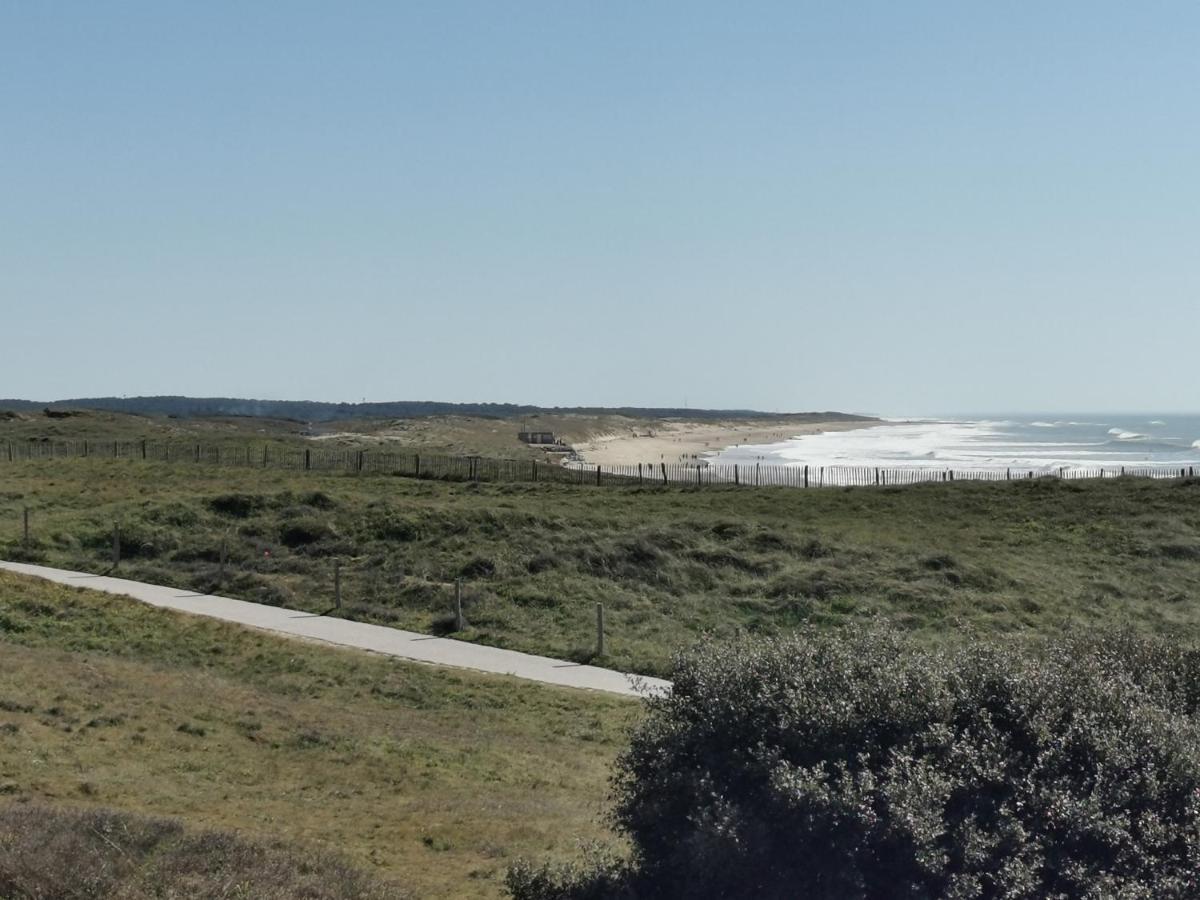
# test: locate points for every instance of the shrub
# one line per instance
(857, 765)
(237, 505)
(301, 532)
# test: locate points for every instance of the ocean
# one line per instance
(1032, 442)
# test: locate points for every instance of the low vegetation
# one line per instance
(669, 564)
(54, 853)
(855, 764)
(431, 778)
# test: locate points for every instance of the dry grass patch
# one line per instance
(430, 776)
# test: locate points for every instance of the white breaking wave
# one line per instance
(1157, 422)
(987, 443)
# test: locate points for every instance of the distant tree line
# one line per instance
(312, 411)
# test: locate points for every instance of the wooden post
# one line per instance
(307, 459)
(85, 449)
(459, 622)
(25, 516)
(664, 471)
(337, 583)
(756, 474)
(197, 453)
(417, 466)
(877, 476)
(806, 475)
(10, 451)
(698, 481)
(116, 547)
(639, 473)
(735, 473)
(597, 476)
(533, 470)
(360, 460)
(599, 629)
(143, 448)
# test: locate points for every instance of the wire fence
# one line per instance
(486, 469)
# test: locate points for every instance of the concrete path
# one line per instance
(377, 638)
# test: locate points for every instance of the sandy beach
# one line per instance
(674, 441)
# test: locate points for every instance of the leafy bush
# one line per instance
(857, 765)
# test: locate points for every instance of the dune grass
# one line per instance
(431, 777)
(669, 564)
(63, 853)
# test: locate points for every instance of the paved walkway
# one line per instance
(377, 638)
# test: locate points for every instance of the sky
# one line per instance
(896, 208)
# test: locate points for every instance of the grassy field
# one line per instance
(430, 777)
(668, 564)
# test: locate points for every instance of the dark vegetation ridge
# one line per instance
(313, 411)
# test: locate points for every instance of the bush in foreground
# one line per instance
(855, 765)
(64, 854)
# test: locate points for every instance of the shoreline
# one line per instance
(674, 442)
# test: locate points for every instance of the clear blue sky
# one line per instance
(890, 207)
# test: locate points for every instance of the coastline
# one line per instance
(677, 441)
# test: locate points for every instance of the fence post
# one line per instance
(116, 547)
(698, 477)
(806, 475)
(307, 459)
(337, 583)
(10, 451)
(417, 466)
(877, 476)
(597, 476)
(533, 470)
(639, 473)
(143, 448)
(735, 473)
(664, 470)
(459, 622)
(599, 629)
(85, 449)
(360, 460)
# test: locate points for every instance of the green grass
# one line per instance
(669, 564)
(435, 778)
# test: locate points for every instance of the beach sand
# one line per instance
(675, 441)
